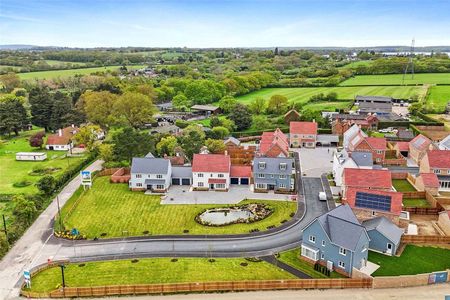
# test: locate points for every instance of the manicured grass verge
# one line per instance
(415, 202)
(292, 258)
(113, 208)
(302, 95)
(437, 98)
(414, 260)
(402, 185)
(156, 270)
(397, 79)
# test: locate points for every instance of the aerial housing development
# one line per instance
(226, 158)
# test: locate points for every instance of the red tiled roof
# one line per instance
(303, 128)
(439, 159)
(216, 163)
(269, 140)
(396, 198)
(420, 142)
(241, 171)
(217, 180)
(376, 143)
(403, 146)
(430, 179)
(367, 178)
(66, 134)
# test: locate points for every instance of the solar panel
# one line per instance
(373, 201)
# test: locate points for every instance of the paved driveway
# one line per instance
(315, 162)
(237, 193)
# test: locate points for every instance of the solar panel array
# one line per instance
(373, 201)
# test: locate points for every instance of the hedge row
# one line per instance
(285, 129)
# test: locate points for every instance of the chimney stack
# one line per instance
(60, 132)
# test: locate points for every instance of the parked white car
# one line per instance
(322, 196)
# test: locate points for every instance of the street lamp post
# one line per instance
(59, 214)
(62, 266)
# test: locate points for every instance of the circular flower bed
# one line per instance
(253, 212)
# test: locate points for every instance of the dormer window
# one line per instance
(261, 165)
(283, 166)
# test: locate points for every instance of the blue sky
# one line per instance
(245, 23)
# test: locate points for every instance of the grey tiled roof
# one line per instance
(150, 165)
(273, 165)
(373, 98)
(342, 227)
(178, 172)
(362, 159)
(385, 227)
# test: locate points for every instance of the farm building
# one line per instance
(374, 104)
(31, 156)
(205, 109)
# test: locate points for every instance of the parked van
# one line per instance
(322, 196)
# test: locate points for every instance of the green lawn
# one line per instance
(292, 258)
(355, 64)
(344, 93)
(328, 106)
(408, 202)
(437, 98)
(71, 72)
(14, 171)
(402, 185)
(414, 260)
(157, 270)
(396, 79)
(113, 208)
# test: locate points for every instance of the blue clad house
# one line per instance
(273, 173)
(336, 240)
(384, 235)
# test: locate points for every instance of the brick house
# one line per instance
(437, 162)
(211, 172)
(303, 134)
(428, 182)
(372, 179)
(342, 122)
(418, 147)
(377, 146)
(367, 204)
(274, 144)
(240, 153)
(291, 116)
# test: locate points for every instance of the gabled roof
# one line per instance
(430, 180)
(216, 163)
(342, 227)
(292, 111)
(179, 171)
(405, 134)
(362, 159)
(146, 165)
(240, 171)
(272, 140)
(232, 140)
(382, 224)
(376, 143)
(351, 133)
(272, 165)
(368, 178)
(396, 198)
(373, 98)
(65, 137)
(420, 142)
(439, 159)
(303, 128)
(204, 107)
(403, 146)
(445, 143)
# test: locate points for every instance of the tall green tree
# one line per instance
(278, 104)
(227, 103)
(130, 143)
(167, 145)
(98, 107)
(41, 107)
(24, 209)
(241, 116)
(134, 109)
(258, 106)
(61, 109)
(13, 115)
(192, 139)
(215, 146)
(181, 102)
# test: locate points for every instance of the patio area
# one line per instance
(236, 193)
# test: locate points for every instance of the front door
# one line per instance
(389, 248)
(271, 187)
(211, 186)
(149, 187)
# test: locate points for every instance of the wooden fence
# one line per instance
(422, 210)
(202, 287)
(425, 239)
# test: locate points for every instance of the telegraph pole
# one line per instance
(5, 230)
(59, 214)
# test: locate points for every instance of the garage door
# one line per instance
(244, 181)
(234, 180)
(186, 181)
(176, 181)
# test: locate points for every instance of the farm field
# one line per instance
(15, 171)
(438, 97)
(67, 73)
(327, 106)
(114, 209)
(396, 79)
(355, 64)
(302, 95)
(157, 270)
(413, 260)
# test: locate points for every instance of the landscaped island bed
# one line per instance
(157, 270)
(397, 79)
(115, 210)
(413, 260)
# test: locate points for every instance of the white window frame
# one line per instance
(138, 175)
(159, 176)
(379, 151)
(261, 175)
(305, 250)
(322, 256)
(200, 184)
(283, 166)
(341, 264)
(261, 165)
(200, 175)
(437, 171)
(312, 239)
(139, 184)
(220, 175)
(323, 243)
(160, 187)
(282, 176)
(261, 186)
(220, 185)
(342, 251)
(282, 185)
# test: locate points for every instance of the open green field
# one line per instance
(59, 62)
(437, 98)
(113, 208)
(355, 64)
(344, 93)
(396, 79)
(402, 185)
(67, 73)
(13, 171)
(327, 106)
(292, 258)
(413, 260)
(157, 270)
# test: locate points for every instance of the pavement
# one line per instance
(33, 246)
(315, 162)
(369, 268)
(236, 193)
